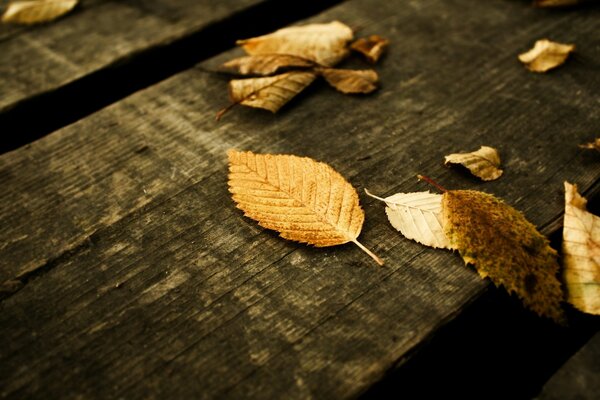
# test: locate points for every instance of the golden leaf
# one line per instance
(581, 253)
(267, 64)
(502, 244)
(36, 11)
(351, 81)
(304, 200)
(546, 55)
(372, 47)
(324, 44)
(555, 3)
(595, 145)
(418, 216)
(483, 163)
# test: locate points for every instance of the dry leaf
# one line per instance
(350, 80)
(372, 47)
(304, 200)
(546, 55)
(36, 11)
(555, 3)
(324, 44)
(418, 216)
(595, 145)
(267, 64)
(502, 244)
(581, 253)
(483, 163)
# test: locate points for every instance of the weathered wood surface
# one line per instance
(129, 272)
(579, 378)
(96, 35)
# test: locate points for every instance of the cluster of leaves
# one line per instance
(28, 12)
(286, 61)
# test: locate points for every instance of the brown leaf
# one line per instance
(581, 253)
(372, 47)
(36, 11)
(504, 246)
(555, 3)
(483, 163)
(595, 145)
(267, 64)
(269, 93)
(351, 80)
(324, 44)
(546, 55)
(304, 200)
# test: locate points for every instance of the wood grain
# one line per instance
(129, 273)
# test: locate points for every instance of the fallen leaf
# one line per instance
(504, 246)
(267, 64)
(483, 163)
(546, 55)
(372, 47)
(581, 253)
(350, 80)
(304, 200)
(36, 11)
(555, 3)
(418, 216)
(324, 44)
(269, 93)
(595, 145)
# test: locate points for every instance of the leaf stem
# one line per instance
(369, 252)
(373, 196)
(432, 183)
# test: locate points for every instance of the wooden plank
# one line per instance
(138, 277)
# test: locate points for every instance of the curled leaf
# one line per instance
(372, 47)
(546, 55)
(267, 64)
(418, 216)
(595, 145)
(304, 200)
(504, 246)
(29, 12)
(483, 163)
(324, 44)
(581, 253)
(351, 80)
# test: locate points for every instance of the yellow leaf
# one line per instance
(418, 216)
(324, 44)
(581, 253)
(483, 163)
(504, 246)
(36, 11)
(595, 145)
(372, 47)
(350, 80)
(304, 200)
(267, 64)
(546, 55)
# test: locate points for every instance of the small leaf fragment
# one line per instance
(30, 12)
(418, 216)
(595, 145)
(483, 163)
(324, 44)
(372, 47)
(555, 3)
(581, 253)
(351, 80)
(546, 55)
(304, 200)
(267, 64)
(504, 246)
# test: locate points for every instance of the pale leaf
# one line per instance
(304, 200)
(581, 253)
(350, 80)
(267, 64)
(546, 55)
(418, 216)
(36, 11)
(372, 47)
(595, 145)
(483, 163)
(324, 44)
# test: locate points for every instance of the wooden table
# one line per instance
(125, 268)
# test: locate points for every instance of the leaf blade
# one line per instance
(483, 163)
(546, 55)
(30, 12)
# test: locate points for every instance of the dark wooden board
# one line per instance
(129, 272)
